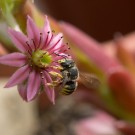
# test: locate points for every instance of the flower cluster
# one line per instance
(37, 60)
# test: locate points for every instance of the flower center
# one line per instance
(41, 58)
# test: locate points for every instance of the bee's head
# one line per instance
(67, 63)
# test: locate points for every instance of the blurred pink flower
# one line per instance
(40, 51)
(99, 124)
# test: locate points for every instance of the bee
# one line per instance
(69, 87)
(70, 75)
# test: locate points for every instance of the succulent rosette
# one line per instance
(37, 60)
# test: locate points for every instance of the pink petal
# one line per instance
(22, 89)
(33, 85)
(99, 124)
(19, 39)
(49, 90)
(56, 42)
(13, 59)
(32, 31)
(46, 36)
(47, 25)
(19, 76)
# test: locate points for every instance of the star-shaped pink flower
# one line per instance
(39, 52)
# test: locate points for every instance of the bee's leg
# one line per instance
(53, 84)
(57, 78)
(57, 67)
(50, 84)
(55, 74)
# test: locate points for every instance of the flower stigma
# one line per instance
(41, 58)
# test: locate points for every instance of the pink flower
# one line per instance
(99, 124)
(37, 62)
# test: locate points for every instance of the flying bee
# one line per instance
(70, 75)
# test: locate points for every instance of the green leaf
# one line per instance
(8, 8)
(6, 5)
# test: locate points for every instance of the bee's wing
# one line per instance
(89, 80)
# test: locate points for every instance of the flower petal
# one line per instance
(19, 39)
(47, 27)
(22, 89)
(33, 85)
(13, 59)
(32, 31)
(19, 76)
(47, 33)
(56, 42)
(49, 90)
